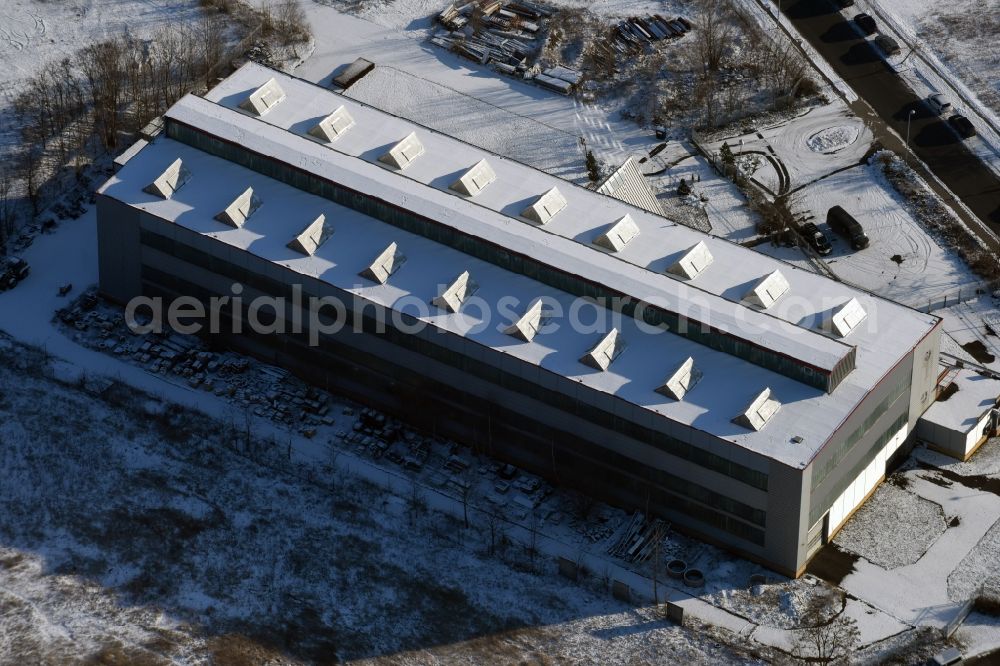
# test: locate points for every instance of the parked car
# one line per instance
(866, 24)
(12, 271)
(939, 104)
(844, 4)
(962, 125)
(844, 223)
(887, 44)
(816, 238)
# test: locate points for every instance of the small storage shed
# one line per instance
(964, 416)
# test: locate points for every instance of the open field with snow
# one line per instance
(135, 532)
(904, 262)
(33, 32)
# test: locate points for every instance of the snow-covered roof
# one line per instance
(627, 184)
(372, 248)
(962, 409)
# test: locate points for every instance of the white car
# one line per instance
(939, 104)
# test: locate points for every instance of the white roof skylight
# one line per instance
(694, 261)
(475, 179)
(605, 351)
(768, 290)
(681, 381)
(846, 318)
(452, 297)
(759, 411)
(309, 240)
(237, 213)
(618, 234)
(168, 182)
(545, 207)
(333, 126)
(263, 99)
(403, 153)
(386, 263)
(527, 326)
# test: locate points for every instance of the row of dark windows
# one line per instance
(681, 495)
(511, 261)
(481, 369)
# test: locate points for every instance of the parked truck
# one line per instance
(12, 271)
(844, 223)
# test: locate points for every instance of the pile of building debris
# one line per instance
(639, 539)
(635, 33)
(505, 36)
(263, 390)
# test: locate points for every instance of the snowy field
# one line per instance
(33, 32)
(903, 262)
(866, 533)
(482, 124)
(151, 538)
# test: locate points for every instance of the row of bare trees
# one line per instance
(77, 109)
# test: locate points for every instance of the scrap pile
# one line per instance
(639, 539)
(503, 35)
(266, 391)
(634, 33)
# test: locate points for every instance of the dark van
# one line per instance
(843, 223)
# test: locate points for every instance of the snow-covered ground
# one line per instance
(34, 32)
(150, 537)
(903, 262)
(915, 524)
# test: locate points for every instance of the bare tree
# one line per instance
(827, 641)
(713, 32)
(7, 210)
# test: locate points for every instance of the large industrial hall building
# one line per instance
(749, 402)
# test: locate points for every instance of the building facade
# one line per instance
(749, 402)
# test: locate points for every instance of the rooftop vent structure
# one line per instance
(758, 412)
(618, 234)
(333, 126)
(263, 99)
(475, 179)
(607, 350)
(168, 182)
(530, 322)
(237, 213)
(454, 294)
(694, 261)
(385, 264)
(681, 381)
(546, 207)
(845, 318)
(766, 292)
(403, 153)
(312, 236)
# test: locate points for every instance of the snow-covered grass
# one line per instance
(152, 537)
(904, 262)
(491, 127)
(894, 528)
(33, 32)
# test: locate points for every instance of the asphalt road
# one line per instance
(859, 63)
